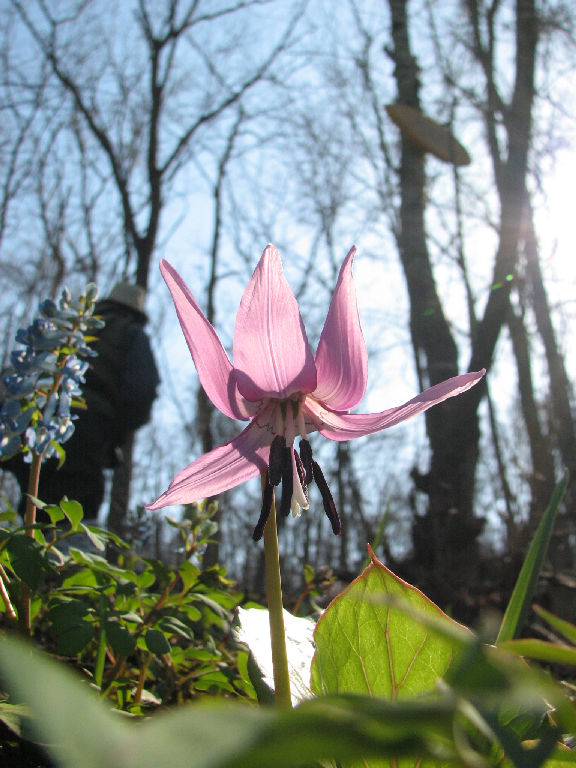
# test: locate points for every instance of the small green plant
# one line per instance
(42, 387)
(145, 633)
(396, 684)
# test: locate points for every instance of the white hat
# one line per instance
(132, 296)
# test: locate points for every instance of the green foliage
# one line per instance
(384, 638)
(203, 736)
(145, 633)
(395, 683)
(467, 720)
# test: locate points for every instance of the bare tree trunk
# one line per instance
(445, 539)
(510, 517)
(543, 475)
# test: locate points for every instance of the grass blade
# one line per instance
(523, 592)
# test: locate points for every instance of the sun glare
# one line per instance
(557, 225)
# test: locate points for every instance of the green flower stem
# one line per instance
(274, 599)
(25, 619)
(102, 642)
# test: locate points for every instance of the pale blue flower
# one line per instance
(46, 376)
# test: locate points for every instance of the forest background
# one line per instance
(200, 131)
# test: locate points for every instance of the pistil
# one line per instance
(301, 475)
(276, 460)
(287, 482)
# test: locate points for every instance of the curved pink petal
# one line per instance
(219, 470)
(214, 368)
(340, 426)
(272, 357)
(341, 357)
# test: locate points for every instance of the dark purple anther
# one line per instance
(267, 496)
(327, 500)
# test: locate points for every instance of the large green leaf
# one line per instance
(367, 644)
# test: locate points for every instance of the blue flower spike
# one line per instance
(43, 384)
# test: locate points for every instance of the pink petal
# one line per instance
(339, 426)
(211, 361)
(272, 357)
(219, 470)
(341, 358)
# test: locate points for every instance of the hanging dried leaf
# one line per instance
(428, 134)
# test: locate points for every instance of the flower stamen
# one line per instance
(327, 500)
(267, 496)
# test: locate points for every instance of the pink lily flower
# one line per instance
(282, 389)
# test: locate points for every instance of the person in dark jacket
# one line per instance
(121, 386)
